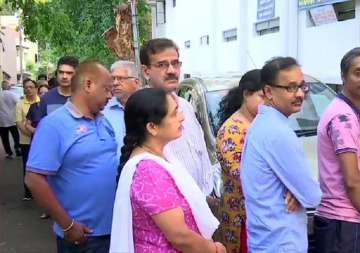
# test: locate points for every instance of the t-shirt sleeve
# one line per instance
(153, 189)
(30, 114)
(286, 157)
(42, 108)
(343, 131)
(45, 155)
(19, 117)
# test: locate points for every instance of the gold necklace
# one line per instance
(148, 149)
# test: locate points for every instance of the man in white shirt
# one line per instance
(7, 120)
(161, 66)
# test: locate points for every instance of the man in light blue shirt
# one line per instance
(72, 165)
(274, 169)
(125, 82)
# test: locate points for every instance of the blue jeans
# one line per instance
(335, 236)
(93, 244)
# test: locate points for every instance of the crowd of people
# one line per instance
(122, 166)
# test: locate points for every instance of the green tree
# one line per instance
(74, 27)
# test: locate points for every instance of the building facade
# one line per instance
(18, 52)
(232, 36)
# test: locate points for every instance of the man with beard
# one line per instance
(273, 164)
(72, 164)
(126, 81)
(58, 96)
(161, 66)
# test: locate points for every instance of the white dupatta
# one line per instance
(122, 240)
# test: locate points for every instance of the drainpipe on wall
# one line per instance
(291, 22)
(21, 53)
(243, 36)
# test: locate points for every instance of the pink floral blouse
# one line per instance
(153, 191)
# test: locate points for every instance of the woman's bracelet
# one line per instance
(70, 226)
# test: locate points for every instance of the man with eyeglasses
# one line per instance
(161, 67)
(126, 81)
(273, 164)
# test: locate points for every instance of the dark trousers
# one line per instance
(335, 236)
(25, 148)
(4, 134)
(93, 244)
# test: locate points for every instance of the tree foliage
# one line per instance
(74, 27)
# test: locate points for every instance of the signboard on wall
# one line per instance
(308, 4)
(323, 15)
(265, 9)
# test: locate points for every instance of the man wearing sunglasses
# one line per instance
(275, 173)
(161, 66)
(125, 79)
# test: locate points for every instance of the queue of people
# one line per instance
(126, 168)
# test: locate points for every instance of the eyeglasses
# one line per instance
(122, 78)
(164, 65)
(293, 88)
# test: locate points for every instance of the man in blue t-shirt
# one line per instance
(72, 164)
(58, 96)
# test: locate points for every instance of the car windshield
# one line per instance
(304, 122)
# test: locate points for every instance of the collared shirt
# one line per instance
(79, 156)
(114, 113)
(51, 101)
(273, 163)
(190, 149)
(7, 108)
(338, 132)
(22, 108)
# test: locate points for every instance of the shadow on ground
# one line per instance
(21, 229)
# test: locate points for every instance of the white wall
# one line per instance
(228, 53)
(9, 54)
(318, 49)
(322, 47)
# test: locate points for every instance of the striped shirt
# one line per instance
(190, 149)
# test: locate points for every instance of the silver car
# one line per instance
(206, 94)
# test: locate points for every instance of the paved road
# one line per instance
(21, 229)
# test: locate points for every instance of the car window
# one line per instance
(314, 106)
(188, 93)
(185, 92)
(303, 122)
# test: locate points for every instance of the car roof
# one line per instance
(213, 84)
(224, 82)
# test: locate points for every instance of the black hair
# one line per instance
(29, 80)
(143, 106)
(230, 103)
(347, 60)
(68, 60)
(42, 76)
(53, 82)
(41, 86)
(155, 46)
(271, 69)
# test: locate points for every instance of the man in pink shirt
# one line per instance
(337, 221)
